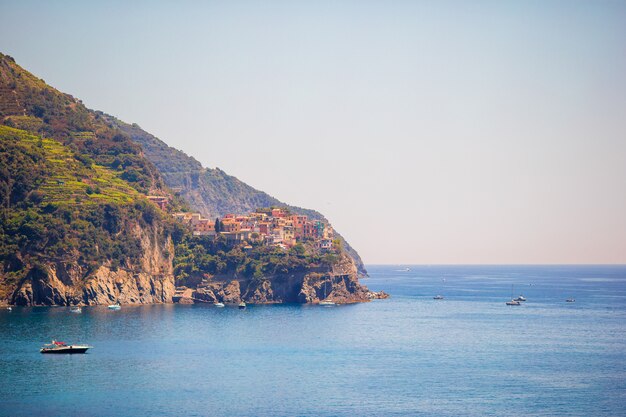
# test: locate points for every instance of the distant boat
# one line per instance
(219, 304)
(10, 308)
(439, 296)
(76, 309)
(242, 305)
(115, 306)
(62, 347)
(520, 298)
(403, 270)
(570, 300)
(514, 301)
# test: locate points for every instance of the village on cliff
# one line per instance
(270, 226)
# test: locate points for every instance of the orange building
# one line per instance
(204, 227)
(231, 226)
(277, 212)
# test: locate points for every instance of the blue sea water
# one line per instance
(410, 355)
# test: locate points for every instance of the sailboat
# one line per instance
(513, 302)
(439, 296)
(325, 301)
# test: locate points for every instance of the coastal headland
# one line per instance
(96, 211)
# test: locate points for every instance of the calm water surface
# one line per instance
(469, 354)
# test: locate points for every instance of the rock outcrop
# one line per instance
(150, 280)
(339, 284)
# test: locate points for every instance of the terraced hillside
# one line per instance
(70, 178)
(28, 103)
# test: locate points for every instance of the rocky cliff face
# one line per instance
(339, 284)
(149, 280)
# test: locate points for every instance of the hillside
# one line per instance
(210, 191)
(145, 162)
(28, 103)
(72, 231)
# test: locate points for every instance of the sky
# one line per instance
(427, 132)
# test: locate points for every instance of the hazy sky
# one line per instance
(426, 131)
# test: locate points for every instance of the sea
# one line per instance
(410, 355)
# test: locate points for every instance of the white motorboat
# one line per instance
(219, 305)
(62, 347)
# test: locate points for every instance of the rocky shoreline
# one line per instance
(65, 284)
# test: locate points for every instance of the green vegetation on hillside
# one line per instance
(28, 103)
(206, 255)
(70, 178)
(58, 206)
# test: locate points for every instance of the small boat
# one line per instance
(327, 303)
(62, 347)
(76, 309)
(514, 301)
(570, 300)
(219, 305)
(520, 298)
(115, 306)
(438, 297)
(242, 305)
(10, 308)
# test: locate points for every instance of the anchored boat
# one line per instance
(62, 347)
(514, 301)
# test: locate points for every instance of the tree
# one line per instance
(218, 226)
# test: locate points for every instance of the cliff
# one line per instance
(147, 279)
(338, 283)
(74, 232)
